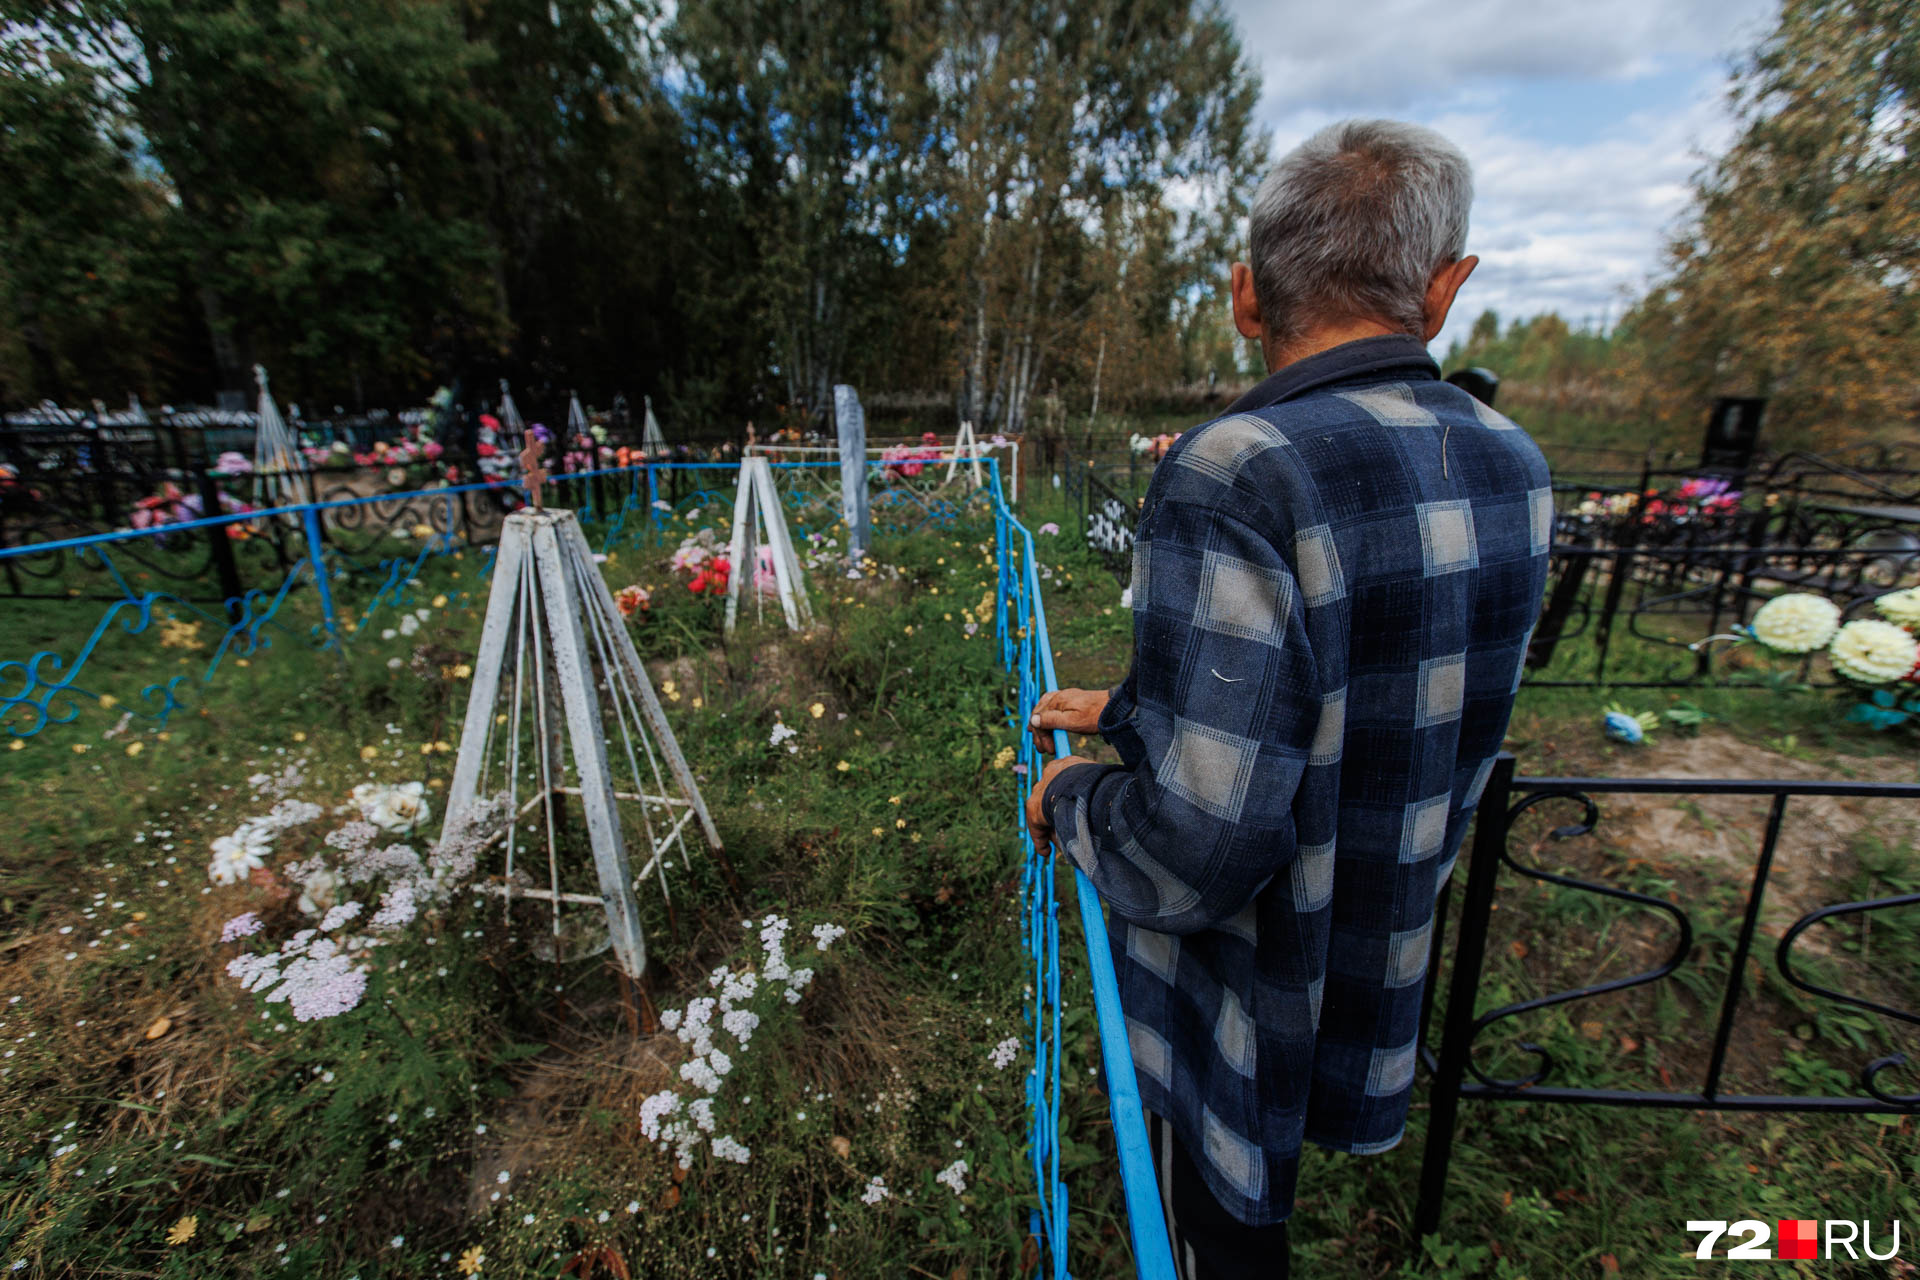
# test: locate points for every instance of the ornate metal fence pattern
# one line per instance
(1457, 1077)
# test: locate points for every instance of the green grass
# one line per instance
(912, 847)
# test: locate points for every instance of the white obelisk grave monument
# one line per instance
(557, 676)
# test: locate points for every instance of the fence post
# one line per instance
(1489, 840)
(316, 554)
(221, 544)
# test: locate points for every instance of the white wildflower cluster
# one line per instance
(315, 971)
(781, 732)
(954, 1177)
(727, 1148)
(338, 916)
(274, 785)
(671, 1120)
(876, 1191)
(309, 972)
(241, 926)
(397, 908)
(1004, 1053)
(825, 935)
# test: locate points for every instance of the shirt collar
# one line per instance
(1360, 358)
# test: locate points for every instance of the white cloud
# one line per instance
(1384, 55)
(1583, 121)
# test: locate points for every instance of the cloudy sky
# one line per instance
(1583, 120)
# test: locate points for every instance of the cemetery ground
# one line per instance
(480, 1110)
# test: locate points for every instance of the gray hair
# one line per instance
(1352, 224)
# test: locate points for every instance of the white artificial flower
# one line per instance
(1902, 608)
(238, 855)
(319, 891)
(1796, 623)
(1872, 652)
(400, 808)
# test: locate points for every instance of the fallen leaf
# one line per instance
(1519, 949)
(670, 1199)
(159, 1027)
(841, 1147)
(1593, 1030)
(1610, 1264)
(1629, 1045)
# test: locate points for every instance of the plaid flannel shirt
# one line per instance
(1333, 588)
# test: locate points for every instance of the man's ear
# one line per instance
(1441, 289)
(1246, 305)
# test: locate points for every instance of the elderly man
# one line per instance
(1333, 587)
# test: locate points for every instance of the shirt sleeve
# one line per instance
(1214, 727)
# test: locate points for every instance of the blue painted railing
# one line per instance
(44, 689)
(1025, 650)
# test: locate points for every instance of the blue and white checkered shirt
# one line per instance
(1333, 587)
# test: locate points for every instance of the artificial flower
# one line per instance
(1902, 608)
(1796, 623)
(1873, 652)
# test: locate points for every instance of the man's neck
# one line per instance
(1324, 338)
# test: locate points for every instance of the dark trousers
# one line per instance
(1208, 1242)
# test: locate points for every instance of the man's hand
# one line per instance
(1036, 811)
(1075, 710)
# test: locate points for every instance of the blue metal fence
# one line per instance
(1026, 651)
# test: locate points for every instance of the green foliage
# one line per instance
(1794, 276)
(373, 197)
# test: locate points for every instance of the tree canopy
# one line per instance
(730, 207)
(1794, 277)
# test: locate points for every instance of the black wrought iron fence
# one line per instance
(1456, 1075)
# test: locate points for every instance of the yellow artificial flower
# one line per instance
(300, 736)
(900, 823)
(182, 1231)
(1004, 758)
(470, 1261)
(439, 602)
(877, 833)
(368, 753)
(893, 799)
(108, 702)
(18, 744)
(135, 748)
(843, 766)
(79, 748)
(817, 710)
